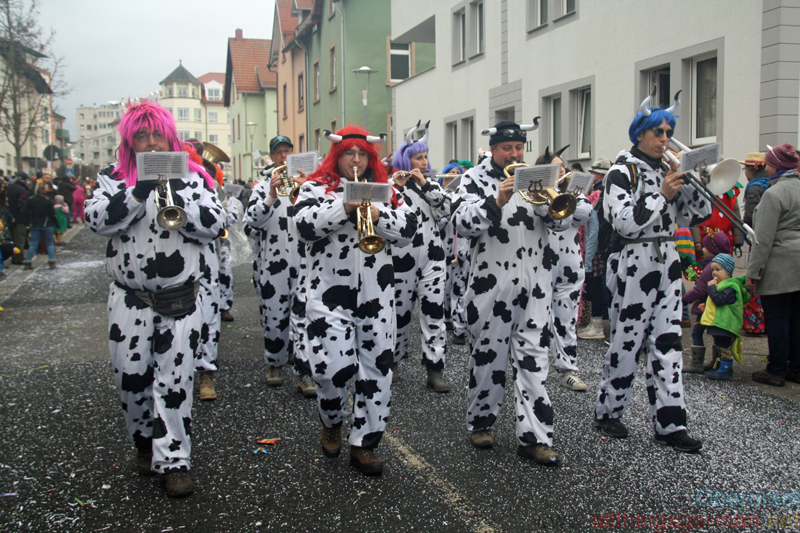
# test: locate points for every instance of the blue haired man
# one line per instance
(644, 199)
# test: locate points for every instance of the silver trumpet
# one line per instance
(169, 216)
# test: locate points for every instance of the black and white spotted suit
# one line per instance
(206, 358)
(455, 247)
(350, 313)
(508, 297)
(153, 355)
(419, 273)
(646, 294)
(225, 267)
(268, 220)
(568, 277)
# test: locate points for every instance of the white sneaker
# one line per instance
(571, 381)
(593, 331)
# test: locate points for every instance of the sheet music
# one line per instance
(377, 193)
(580, 183)
(155, 165)
(535, 178)
(453, 185)
(233, 190)
(306, 161)
(700, 158)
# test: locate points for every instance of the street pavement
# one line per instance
(66, 463)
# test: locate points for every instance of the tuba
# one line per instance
(286, 185)
(368, 241)
(169, 216)
(560, 205)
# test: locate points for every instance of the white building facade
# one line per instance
(584, 67)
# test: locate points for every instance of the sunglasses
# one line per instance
(512, 133)
(143, 137)
(658, 132)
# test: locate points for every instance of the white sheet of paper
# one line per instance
(700, 158)
(306, 161)
(233, 190)
(377, 193)
(453, 185)
(535, 178)
(580, 183)
(155, 165)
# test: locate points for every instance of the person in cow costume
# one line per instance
(644, 199)
(419, 269)
(154, 303)
(350, 311)
(508, 297)
(568, 278)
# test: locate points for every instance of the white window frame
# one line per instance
(183, 114)
(198, 114)
(479, 25)
(584, 107)
(452, 140)
(565, 7)
(182, 92)
(198, 135)
(214, 94)
(183, 135)
(695, 112)
(399, 52)
(460, 36)
(556, 122)
(213, 138)
(332, 58)
(316, 81)
(212, 116)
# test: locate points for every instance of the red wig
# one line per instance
(328, 171)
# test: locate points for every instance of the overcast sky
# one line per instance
(116, 49)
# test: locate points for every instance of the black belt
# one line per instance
(655, 240)
(173, 302)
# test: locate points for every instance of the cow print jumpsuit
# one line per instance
(646, 293)
(508, 297)
(350, 312)
(225, 268)
(419, 273)
(153, 355)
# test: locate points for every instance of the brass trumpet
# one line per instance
(169, 216)
(560, 205)
(286, 185)
(368, 241)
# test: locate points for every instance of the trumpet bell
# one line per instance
(371, 244)
(214, 154)
(723, 176)
(171, 217)
(562, 206)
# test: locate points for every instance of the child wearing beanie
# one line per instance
(61, 209)
(723, 313)
(712, 245)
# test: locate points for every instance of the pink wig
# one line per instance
(150, 117)
(328, 171)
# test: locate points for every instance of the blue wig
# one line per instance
(403, 155)
(642, 123)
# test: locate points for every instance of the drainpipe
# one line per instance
(308, 107)
(344, 105)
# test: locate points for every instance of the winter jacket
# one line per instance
(725, 305)
(699, 292)
(18, 192)
(66, 188)
(752, 194)
(38, 212)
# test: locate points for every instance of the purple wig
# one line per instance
(402, 157)
(150, 117)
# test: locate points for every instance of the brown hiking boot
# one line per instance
(541, 453)
(395, 373)
(226, 316)
(436, 381)
(483, 439)
(274, 376)
(207, 391)
(144, 462)
(366, 461)
(306, 386)
(331, 440)
(178, 483)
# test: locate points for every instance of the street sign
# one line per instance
(68, 162)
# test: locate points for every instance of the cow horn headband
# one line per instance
(645, 110)
(332, 137)
(410, 136)
(522, 127)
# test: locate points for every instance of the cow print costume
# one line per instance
(568, 277)
(153, 355)
(350, 312)
(646, 292)
(455, 247)
(419, 273)
(225, 268)
(268, 220)
(508, 299)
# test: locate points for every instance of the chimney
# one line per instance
(239, 38)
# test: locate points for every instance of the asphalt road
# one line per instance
(66, 463)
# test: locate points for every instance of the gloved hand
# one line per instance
(142, 189)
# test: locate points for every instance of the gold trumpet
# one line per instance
(560, 205)
(169, 216)
(286, 185)
(368, 241)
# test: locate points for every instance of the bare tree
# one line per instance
(26, 89)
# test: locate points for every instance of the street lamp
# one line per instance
(251, 129)
(364, 92)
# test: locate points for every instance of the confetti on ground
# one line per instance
(268, 441)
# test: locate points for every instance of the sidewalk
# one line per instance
(16, 274)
